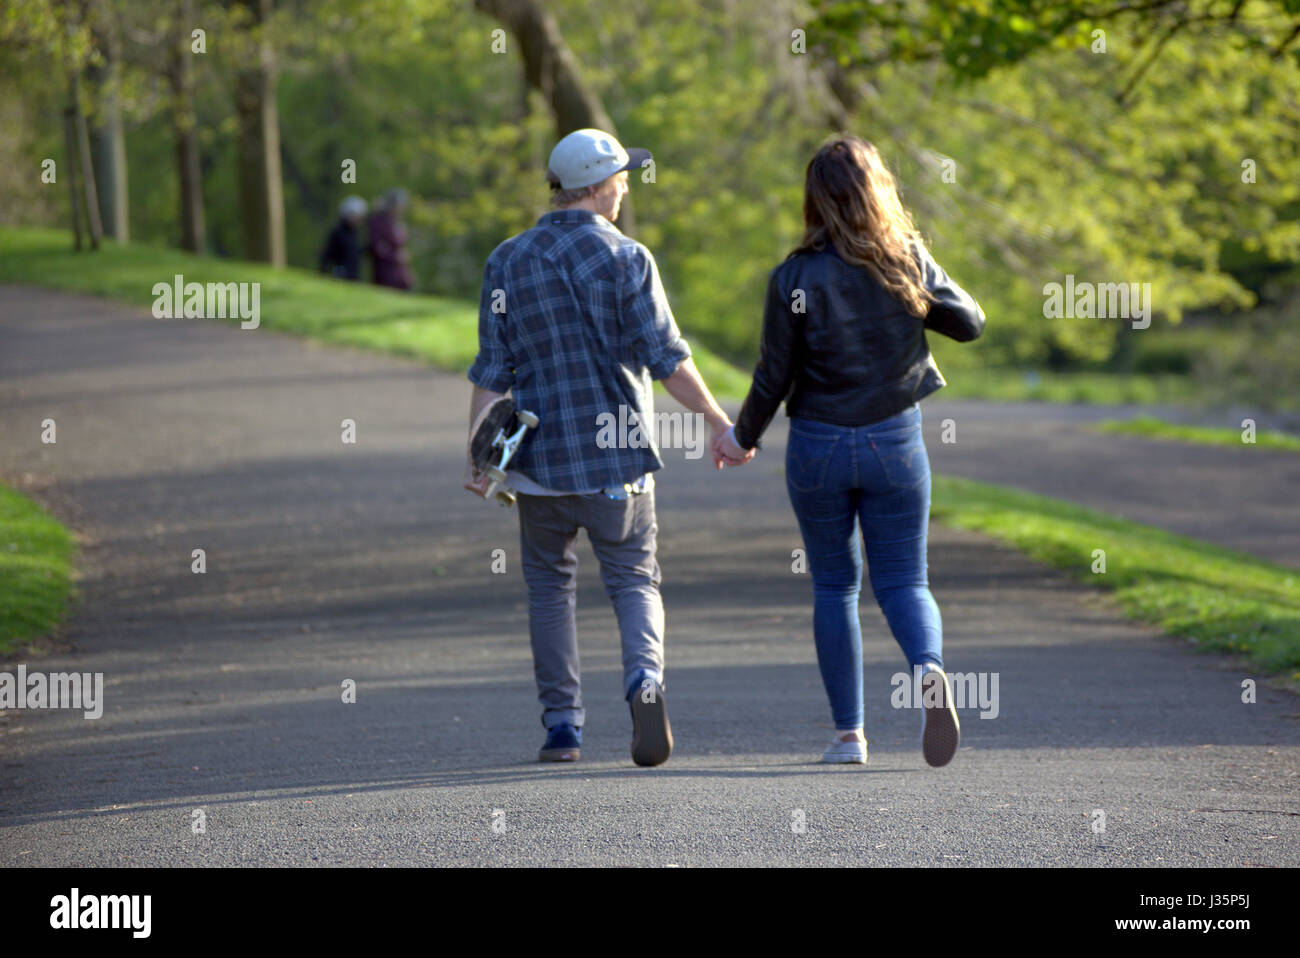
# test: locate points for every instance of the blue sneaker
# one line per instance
(563, 744)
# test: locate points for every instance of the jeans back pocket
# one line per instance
(903, 457)
(808, 455)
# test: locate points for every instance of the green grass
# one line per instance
(1216, 598)
(443, 331)
(1152, 428)
(435, 329)
(1097, 388)
(35, 570)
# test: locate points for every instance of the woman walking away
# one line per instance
(844, 338)
(389, 257)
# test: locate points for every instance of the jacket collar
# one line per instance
(559, 217)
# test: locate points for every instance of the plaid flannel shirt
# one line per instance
(573, 319)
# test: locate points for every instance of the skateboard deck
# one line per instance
(493, 442)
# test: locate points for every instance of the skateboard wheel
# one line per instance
(529, 419)
(496, 474)
(507, 499)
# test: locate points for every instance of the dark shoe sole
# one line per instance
(559, 754)
(652, 736)
(942, 732)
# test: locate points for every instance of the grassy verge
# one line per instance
(1151, 428)
(444, 332)
(35, 570)
(1097, 388)
(1216, 598)
(435, 329)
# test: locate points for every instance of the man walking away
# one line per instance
(574, 320)
(341, 256)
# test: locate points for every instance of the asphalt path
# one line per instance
(330, 562)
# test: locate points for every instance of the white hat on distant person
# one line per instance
(586, 157)
(352, 206)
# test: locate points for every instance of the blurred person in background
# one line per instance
(388, 236)
(341, 255)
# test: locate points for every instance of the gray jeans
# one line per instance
(622, 534)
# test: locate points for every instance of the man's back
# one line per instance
(574, 320)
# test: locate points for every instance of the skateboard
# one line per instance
(493, 442)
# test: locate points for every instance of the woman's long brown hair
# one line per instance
(851, 201)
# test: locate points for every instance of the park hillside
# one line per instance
(1149, 154)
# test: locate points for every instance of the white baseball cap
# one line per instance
(352, 206)
(585, 157)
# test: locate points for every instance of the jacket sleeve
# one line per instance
(777, 363)
(954, 312)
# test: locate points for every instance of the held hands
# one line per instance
(724, 448)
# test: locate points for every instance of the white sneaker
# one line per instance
(940, 731)
(852, 752)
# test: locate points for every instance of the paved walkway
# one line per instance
(328, 562)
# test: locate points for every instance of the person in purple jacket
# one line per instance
(389, 256)
(844, 346)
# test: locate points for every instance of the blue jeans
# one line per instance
(879, 476)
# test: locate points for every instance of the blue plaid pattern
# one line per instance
(573, 319)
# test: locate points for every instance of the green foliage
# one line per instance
(1053, 177)
(433, 329)
(1061, 161)
(1255, 361)
(974, 38)
(41, 33)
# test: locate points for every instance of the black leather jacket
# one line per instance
(854, 355)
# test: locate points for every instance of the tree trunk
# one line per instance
(86, 167)
(185, 130)
(551, 68)
(70, 173)
(261, 184)
(107, 142)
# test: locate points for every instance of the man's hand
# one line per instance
(479, 399)
(686, 386)
(718, 426)
(475, 482)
